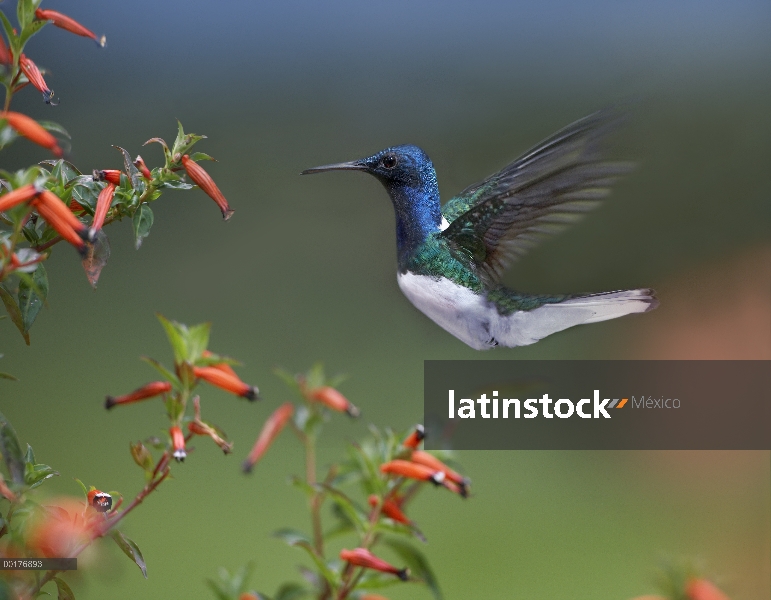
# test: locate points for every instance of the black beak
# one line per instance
(354, 165)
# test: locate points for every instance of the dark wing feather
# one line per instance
(497, 220)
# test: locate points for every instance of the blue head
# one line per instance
(409, 177)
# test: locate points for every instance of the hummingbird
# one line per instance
(451, 258)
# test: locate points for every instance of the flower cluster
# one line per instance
(193, 363)
(390, 469)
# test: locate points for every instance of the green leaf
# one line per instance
(97, 255)
(130, 549)
(176, 334)
(143, 221)
(8, 27)
(14, 312)
(24, 13)
(299, 540)
(56, 128)
(130, 168)
(352, 512)
(288, 379)
(34, 475)
(162, 370)
(196, 156)
(65, 593)
(291, 591)
(32, 296)
(11, 451)
(197, 340)
(31, 30)
(301, 485)
(417, 563)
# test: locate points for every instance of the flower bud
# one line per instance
(204, 181)
(69, 24)
(405, 468)
(331, 398)
(178, 443)
(361, 557)
(273, 426)
(149, 390)
(32, 130)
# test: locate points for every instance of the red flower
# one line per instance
(702, 589)
(139, 163)
(390, 509)
(413, 440)
(178, 443)
(331, 398)
(35, 77)
(5, 53)
(226, 382)
(32, 130)
(61, 529)
(273, 426)
(17, 196)
(68, 24)
(204, 181)
(59, 217)
(103, 203)
(361, 557)
(109, 175)
(156, 388)
(405, 468)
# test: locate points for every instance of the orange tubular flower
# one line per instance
(32, 130)
(17, 196)
(702, 589)
(331, 398)
(226, 382)
(156, 388)
(69, 24)
(103, 203)
(405, 468)
(413, 440)
(178, 443)
(35, 77)
(429, 460)
(361, 557)
(273, 426)
(390, 509)
(50, 211)
(139, 163)
(204, 181)
(110, 175)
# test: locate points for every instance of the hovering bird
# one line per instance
(451, 258)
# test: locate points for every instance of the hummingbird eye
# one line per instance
(389, 161)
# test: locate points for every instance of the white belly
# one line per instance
(454, 308)
(473, 319)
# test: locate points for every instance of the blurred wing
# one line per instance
(497, 220)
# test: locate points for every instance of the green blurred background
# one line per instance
(305, 270)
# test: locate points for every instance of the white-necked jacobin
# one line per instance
(451, 258)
